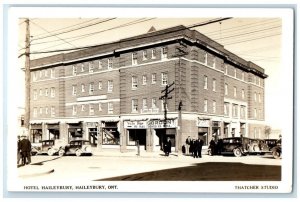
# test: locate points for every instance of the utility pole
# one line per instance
(27, 76)
(181, 51)
(165, 98)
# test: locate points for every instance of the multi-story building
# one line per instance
(110, 93)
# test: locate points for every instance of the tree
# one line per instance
(268, 130)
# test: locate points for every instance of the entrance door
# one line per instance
(137, 135)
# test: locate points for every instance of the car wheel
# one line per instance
(276, 154)
(50, 152)
(78, 152)
(237, 152)
(61, 152)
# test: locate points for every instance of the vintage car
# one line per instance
(35, 148)
(271, 143)
(242, 146)
(77, 147)
(277, 151)
(49, 147)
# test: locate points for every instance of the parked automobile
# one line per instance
(277, 152)
(242, 146)
(35, 148)
(77, 147)
(50, 147)
(271, 143)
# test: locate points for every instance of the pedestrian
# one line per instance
(198, 148)
(167, 146)
(219, 146)
(19, 156)
(212, 146)
(187, 145)
(25, 147)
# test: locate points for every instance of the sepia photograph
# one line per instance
(145, 100)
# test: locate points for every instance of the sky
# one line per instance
(255, 39)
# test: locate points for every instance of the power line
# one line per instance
(53, 34)
(252, 39)
(68, 31)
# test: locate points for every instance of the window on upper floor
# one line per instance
(41, 92)
(164, 53)
(205, 105)
(134, 82)
(145, 104)
(52, 111)
(82, 88)
(52, 92)
(46, 72)
(100, 107)
(110, 85)
(82, 107)
(91, 111)
(153, 53)
(163, 105)
(100, 64)
(243, 111)
(144, 79)
(41, 74)
(35, 112)
(153, 103)
(110, 64)
(235, 74)
(46, 110)
(243, 76)
(259, 97)
(255, 113)
(255, 97)
(91, 89)
(243, 94)
(46, 92)
(134, 58)
(52, 73)
(145, 55)
(226, 69)
(226, 109)
(153, 78)
(100, 85)
(164, 78)
(35, 94)
(74, 110)
(214, 106)
(110, 108)
(226, 89)
(234, 110)
(82, 67)
(134, 105)
(74, 70)
(91, 67)
(74, 90)
(214, 85)
(234, 91)
(205, 82)
(41, 110)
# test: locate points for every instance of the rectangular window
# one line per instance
(235, 73)
(46, 72)
(35, 94)
(46, 111)
(214, 109)
(205, 105)
(100, 85)
(134, 58)
(226, 89)
(82, 88)
(243, 76)
(91, 90)
(145, 107)
(34, 76)
(226, 108)
(234, 91)
(153, 54)
(100, 64)
(110, 108)
(52, 73)
(134, 105)
(35, 112)
(153, 103)
(134, 82)
(214, 85)
(144, 79)
(52, 111)
(144, 55)
(110, 86)
(226, 69)
(243, 112)
(110, 64)
(41, 74)
(243, 94)
(74, 70)
(74, 111)
(82, 108)
(153, 78)
(234, 110)
(164, 79)
(255, 113)
(92, 111)
(100, 107)
(205, 82)
(74, 90)
(164, 53)
(82, 67)
(41, 110)
(52, 92)
(259, 97)
(46, 92)
(91, 67)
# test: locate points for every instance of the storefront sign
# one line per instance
(203, 123)
(215, 124)
(135, 124)
(171, 123)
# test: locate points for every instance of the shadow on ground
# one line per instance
(211, 171)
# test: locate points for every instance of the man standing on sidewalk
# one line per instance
(25, 147)
(187, 145)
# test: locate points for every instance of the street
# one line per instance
(152, 167)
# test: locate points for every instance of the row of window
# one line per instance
(46, 73)
(134, 80)
(145, 108)
(48, 111)
(110, 108)
(42, 92)
(91, 87)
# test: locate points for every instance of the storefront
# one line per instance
(36, 133)
(136, 133)
(110, 134)
(203, 129)
(216, 128)
(53, 132)
(92, 130)
(75, 131)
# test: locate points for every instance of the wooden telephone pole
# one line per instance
(27, 76)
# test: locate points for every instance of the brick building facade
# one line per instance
(109, 94)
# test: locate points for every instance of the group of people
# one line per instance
(194, 147)
(24, 150)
